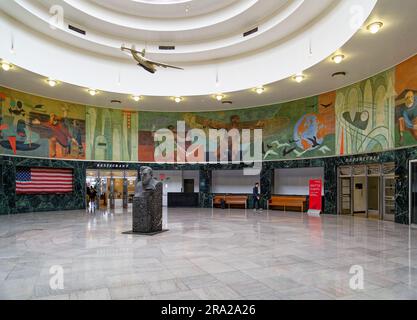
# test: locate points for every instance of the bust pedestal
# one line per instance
(147, 212)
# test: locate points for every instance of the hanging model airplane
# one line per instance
(145, 63)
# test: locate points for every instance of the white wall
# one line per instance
(295, 181)
(232, 181)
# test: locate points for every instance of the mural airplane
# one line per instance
(145, 63)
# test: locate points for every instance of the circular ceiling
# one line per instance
(223, 45)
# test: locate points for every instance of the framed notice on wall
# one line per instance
(315, 205)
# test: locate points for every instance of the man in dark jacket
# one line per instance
(256, 197)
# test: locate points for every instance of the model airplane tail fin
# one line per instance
(143, 52)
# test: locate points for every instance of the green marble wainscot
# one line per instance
(12, 203)
(402, 161)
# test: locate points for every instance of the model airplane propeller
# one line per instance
(145, 63)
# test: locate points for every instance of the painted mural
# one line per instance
(111, 134)
(302, 128)
(365, 115)
(406, 103)
(376, 114)
(40, 127)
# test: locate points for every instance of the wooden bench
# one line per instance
(288, 201)
(230, 200)
(217, 200)
(237, 200)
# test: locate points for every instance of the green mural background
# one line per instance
(111, 134)
(376, 114)
(290, 130)
(365, 115)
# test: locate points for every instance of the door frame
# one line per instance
(410, 163)
(381, 185)
(384, 215)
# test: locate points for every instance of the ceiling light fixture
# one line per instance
(92, 92)
(219, 96)
(299, 77)
(6, 66)
(137, 98)
(178, 99)
(375, 27)
(51, 82)
(338, 58)
(260, 89)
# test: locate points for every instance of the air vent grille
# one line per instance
(166, 47)
(252, 31)
(78, 30)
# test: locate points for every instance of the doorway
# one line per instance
(115, 188)
(367, 191)
(188, 185)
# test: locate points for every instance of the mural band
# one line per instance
(374, 115)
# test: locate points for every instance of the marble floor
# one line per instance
(207, 254)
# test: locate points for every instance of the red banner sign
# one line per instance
(315, 194)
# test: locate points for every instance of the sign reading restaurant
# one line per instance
(101, 165)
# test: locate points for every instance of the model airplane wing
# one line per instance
(163, 65)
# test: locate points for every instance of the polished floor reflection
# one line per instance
(207, 254)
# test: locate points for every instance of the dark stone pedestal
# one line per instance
(147, 212)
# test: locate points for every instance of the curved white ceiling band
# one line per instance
(148, 9)
(80, 67)
(116, 19)
(276, 28)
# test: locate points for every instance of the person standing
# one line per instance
(256, 198)
(93, 196)
(88, 196)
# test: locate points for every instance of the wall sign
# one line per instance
(361, 159)
(111, 165)
(315, 203)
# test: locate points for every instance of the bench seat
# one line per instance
(230, 200)
(288, 201)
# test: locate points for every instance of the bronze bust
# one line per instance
(147, 181)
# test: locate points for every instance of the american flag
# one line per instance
(43, 180)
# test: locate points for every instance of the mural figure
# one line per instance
(61, 138)
(36, 126)
(407, 114)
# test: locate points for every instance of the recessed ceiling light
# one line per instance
(137, 98)
(51, 82)
(6, 66)
(375, 27)
(219, 96)
(92, 92)
(338, 58)
(299, 77)
(178, 99)
(260, 89)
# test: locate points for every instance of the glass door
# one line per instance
(374, 191)
(346, 195)
(389, 198)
